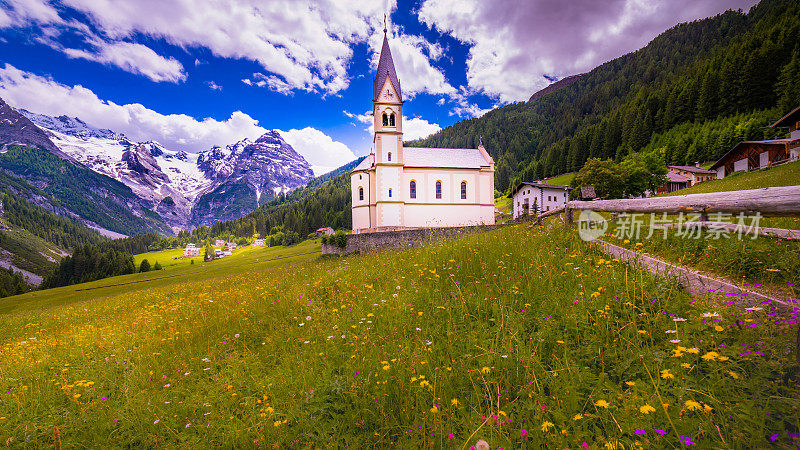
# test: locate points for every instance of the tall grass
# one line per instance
(520, 337)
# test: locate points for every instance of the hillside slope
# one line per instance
(718, 67)
(509, 336)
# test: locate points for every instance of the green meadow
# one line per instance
(522, 337)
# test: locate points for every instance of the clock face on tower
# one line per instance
(389, 93)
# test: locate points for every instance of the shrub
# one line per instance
(144, 266)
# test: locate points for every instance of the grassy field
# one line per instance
(784, 175)
(563, 179)
(524, 337)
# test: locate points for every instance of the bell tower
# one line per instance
(387, 110)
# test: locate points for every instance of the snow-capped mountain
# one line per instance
(247, 174)
(185, 189)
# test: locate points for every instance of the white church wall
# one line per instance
(425, 215)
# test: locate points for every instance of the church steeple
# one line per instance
(386, 70)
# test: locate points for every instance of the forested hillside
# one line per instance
(732, 65)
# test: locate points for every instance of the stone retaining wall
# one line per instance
(378, 241)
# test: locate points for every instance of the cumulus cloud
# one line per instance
(363, 118)
(320, 150)
(416, 128)
(176, 131)
(515, 45)
(134, 58)
(412, 57)
(304, 46)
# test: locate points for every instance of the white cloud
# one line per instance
(304, 45)
(175, 131)
(213, 86)
(363, 118)
(416, 128)
(412, 57)
(134, 58)
(515, 43)
(320, 150)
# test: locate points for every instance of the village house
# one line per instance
(218, 253)
(219, 243)
(327, 231)
(191, 251)
(674, 183)
(258, 242)
(544, 197)
(400, 187)
(752, 155)
(695, 173)
(230, 246)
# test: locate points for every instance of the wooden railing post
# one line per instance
(568, 219)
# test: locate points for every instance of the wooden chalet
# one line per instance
(752, 155)
(674, 183)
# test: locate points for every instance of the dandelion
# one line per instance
(718, 328)
(710, 356)
(454, 402)
(601, 404)
(733, 375)
(646, 409)
(577, 417)
(707, 408)
(485, 369)
(693, 350)
(481, 445)
(692, 405)
(665, 374)
(546, 426)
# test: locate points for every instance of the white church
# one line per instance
(400, 187)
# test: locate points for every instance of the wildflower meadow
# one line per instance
(519, 337)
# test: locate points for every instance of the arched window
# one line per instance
(361, 193)
(463, 190)
(390, 193)
(385, 120)
(391, 119)
(389, 156)
(412, 189)
(438, 189)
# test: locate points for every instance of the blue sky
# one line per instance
(192, 74)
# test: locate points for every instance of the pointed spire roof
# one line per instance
(386, 70)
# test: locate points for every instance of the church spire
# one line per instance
(385, 70)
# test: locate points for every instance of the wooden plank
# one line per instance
(772, 201)
(779, 233)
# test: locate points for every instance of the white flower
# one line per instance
(308, 317)
(754, 308)
(671, 331)
(711, 314)
(675, 341)
(678, 319)
(236, 335)
(302, 324)
(157, 420)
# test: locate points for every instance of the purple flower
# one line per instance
(659, 431)
(686, 440)
(774, 437)
(640, 432)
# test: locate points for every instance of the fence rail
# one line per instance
(772, 201)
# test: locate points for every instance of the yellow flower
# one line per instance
(560, 342)
(434, 409)
(723, 358)
(546, 426)
(710, 356)
(642, 332)
(693, 350)
(454, 402)
(601, 404)
(485, 369)
(677, 353)
(707, 408)
(692, 405)
(630, 383)
(646, 409)
(718, 328)
(577, 417)
(734, 375)
(277, 423)
(686, 366)
(387, 367)
(665, 374)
